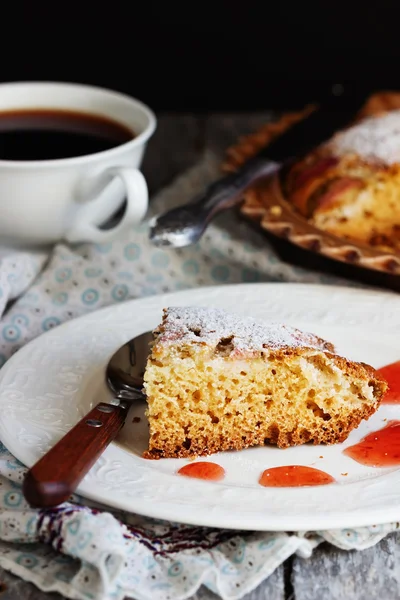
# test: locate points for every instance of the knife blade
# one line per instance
(184, 225)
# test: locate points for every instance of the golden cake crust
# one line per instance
(269, 384)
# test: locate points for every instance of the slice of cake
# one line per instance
(216, 381)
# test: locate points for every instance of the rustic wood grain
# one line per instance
(271, 589)
(223, 130)
(14, 588)
(332, 574)
(176, 145)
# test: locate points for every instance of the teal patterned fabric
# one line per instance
(86, 551)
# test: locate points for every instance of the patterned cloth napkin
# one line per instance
(86, 551)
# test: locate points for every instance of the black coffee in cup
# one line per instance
(43, 134)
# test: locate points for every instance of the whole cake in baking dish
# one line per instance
(350, 186)
(216, 381)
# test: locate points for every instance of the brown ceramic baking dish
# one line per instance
(295, 239)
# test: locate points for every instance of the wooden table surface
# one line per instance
(330, 574)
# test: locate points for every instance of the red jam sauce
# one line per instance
(294, 476)
(378, 449)
(203, 470)
(392, 375)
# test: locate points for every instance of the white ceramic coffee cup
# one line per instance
(44, 201)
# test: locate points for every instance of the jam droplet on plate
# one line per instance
(378, 449)
(203, 470)
(294, 476)
(392, 375)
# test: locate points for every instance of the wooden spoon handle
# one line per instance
(58, 473)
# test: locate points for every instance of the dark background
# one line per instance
(206, 56)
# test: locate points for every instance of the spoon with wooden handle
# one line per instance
(58, 473)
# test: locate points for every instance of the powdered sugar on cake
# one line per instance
(211, 326)
(375, 139)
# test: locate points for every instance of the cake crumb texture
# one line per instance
(216, 381)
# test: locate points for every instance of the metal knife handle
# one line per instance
(184, 225)
(58, 473)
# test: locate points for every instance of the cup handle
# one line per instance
(85, 227)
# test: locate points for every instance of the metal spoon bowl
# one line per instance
(125, 370)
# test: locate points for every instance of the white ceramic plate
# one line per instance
(52, 382)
